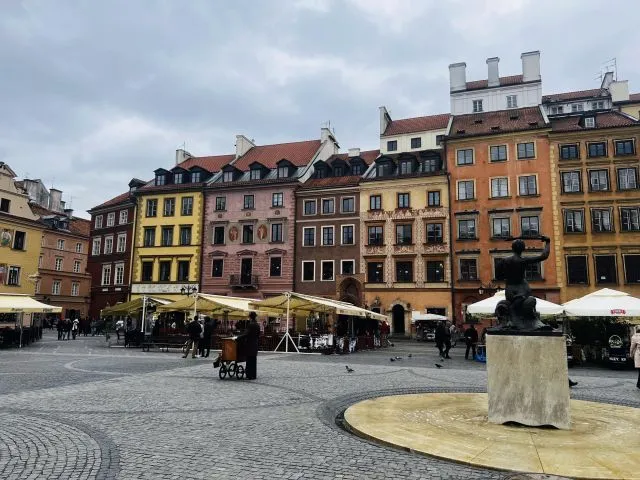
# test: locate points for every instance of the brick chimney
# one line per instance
(243, 145)
(492, 70)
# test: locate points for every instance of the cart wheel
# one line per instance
(222, 373)
(239, 371)
(232, 369)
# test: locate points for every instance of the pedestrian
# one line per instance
(635, 351)
(193, 329)
(67, 328)
(441, 333)
(447, 341)
(205, 342)
(74, 328)
(471, 339)
(453, 332)
(252, 335)
(60, 327)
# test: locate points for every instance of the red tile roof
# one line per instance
(80, 226)
(211, 164)
(634, 97)
(298, 153)
(114, 201)
(577, 95)
(367, 156)
(491, 123)
(417, 124)
(349, 180)
(510, 80)
(603, 120)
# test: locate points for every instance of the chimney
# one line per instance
(68, 212)
(354, 152)
(243, 145)
(530, 66)
(62, 205)
(458, 77)
(607, 80)
(55, 197)
(385, 119)
(182, 155)
(492, 68)
(619, 91)
(326, 135)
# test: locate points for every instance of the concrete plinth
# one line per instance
(527, 380)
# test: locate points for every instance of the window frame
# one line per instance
(182, 229)
(343, 262)
(625, 142)
(121, 243)
(498, 147)
(568, 147)
(526, 156)
(111, 219)
(563, 185)
(330, 201)
(461, 277)
(473, 192)
(309, 201)
(249, 202)
(382, 271)
(595, 144)
(304, 236)
(245, 229)
(615, 268)
(378, 199)
(108, 242)
(566, 223)
(98, 221)
(426, 271)
(271, 259)
(381, 243)
(143, 276)
(411, 278)
(477, 105)
(630, 218)
(151, 208)
(171, 203)
(475, 228)
(277, 199)
(512, 101)
(439, 239)
(164, 237)
(214, 263)
(392, 143)
(500, 181)
(586, 269)
(464, 152)
(403, 226)
(624, 267)
(620, 169)
(342, 200)
(213, 235)
(590, 172)
(186, 206)
(221, 203)
(105, 277)
(401, 197)
(333, 270)
(433, 193)
(416, 142)
(322, 236)
(528, 194)
(179, 277)
(522, 230)
(162, 263)
(353, 234)
(303, 273)
(593, 214)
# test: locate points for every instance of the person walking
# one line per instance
(67, 328)
(447, 341)
(60, 328)
(205, 342)
(635, 351)
(252, 336)
(471, 339)
(453, 332)
(74, 328)
(440, 334)
(194, 330)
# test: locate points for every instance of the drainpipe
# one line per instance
(451, 266)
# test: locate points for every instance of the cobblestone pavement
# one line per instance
(76, 409)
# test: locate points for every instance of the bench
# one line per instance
(164, 343)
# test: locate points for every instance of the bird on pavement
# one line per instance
(392, 359)
(350, 370)
(572, 383)
(409, 355)
(438, 365)
(398, 358)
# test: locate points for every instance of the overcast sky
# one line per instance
(93, 93)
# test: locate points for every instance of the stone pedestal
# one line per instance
(527, 380)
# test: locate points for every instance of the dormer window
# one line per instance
(338, 171)
(283, 171)
(227, 176)
(196, 177)
(577, 107)
(177, 178)
(321, 172)
(255, 174)
(160, 179)
(589, 122)
(356, 169)
(381, 170)
(406, 167)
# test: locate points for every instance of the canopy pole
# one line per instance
(287, 336)
(144, 313)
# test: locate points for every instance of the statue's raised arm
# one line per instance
(545, 253)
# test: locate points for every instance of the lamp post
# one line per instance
(191, 291)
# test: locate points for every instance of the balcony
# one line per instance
(243, 281)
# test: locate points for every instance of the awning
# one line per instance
(487, 307)
(15, 303)
(604, 303)
(132, 306)
(211, 304)
(417, 316)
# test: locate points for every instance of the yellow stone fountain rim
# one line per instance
(604, 440)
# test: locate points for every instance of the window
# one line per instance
(60, 244)
(348, 267)
(165, 271)
(152, 208)
(149, 239)
(328, 206)
(75, 289)
(177, 178)
(589, 122)
(599, 105)
(416, 142)
(627, 178)
(108, 245)
(498, 153)
(196, 177)
(577, 270)
(13, 276)
(55, 287)
(557, 110)
(404, 272)
(247, 234)
(327, 236)
(464, 157)
(574, 221)
(185, 235)
(119, 274)
(221, 204)
(532, 271)
(392, 145)
(356, 169)
(275, 266)
(227, 177)
(468, 269)
(382, 169)
(76, 266)
(528, 185)
(403, 200)
(375, 272)
(577, 107)
(277, 199)
(434, 232)
(571, 182)
(58, 264)
(218, 235)
(4, 205)
(430, 165)
(38, 285)
(433, 199)
(217, 267)
(606, 271)
(601, 220)
(499, 187)
(568, 152)
(121, 243)
(477, 106)
(160, 180)
(375, 202)
(467, 229)
(147, 271)
(308, 271)
(248, 202)
(167, 236)
(111, 219)
(348, 204)
(283, 171)
(501, 227)
(435, 271)
(376, 235)
(321, 171)
(169, 207)
(309, 207)
(529, 226)
(276, 232)
(512, 101)
(406, 167)
(183, 270)
(40, 261)
(106, 275)
(630, 219)
(78, 247)
(624, 147)
(404, 235)
(19, 240)
(526, 150)
(599, 180)
(466, 190)
(598, 149)
(186, 207)
(326, 267)
(309, 237)
(631, 268)
(95, 247)
(347, 234)
(98, 221)
(337, 171)
(255, 174)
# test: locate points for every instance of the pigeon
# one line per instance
(398, 358)
(409, 355)
(392, 359)
(350, 370)
(438, 365)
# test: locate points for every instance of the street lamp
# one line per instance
(191, 290)
(483, 287)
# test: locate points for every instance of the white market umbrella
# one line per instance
(604, 303)
(417, 316)
(488, 306)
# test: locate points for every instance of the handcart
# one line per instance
(232, 355)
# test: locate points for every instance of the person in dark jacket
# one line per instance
(205, 341)
(440, 333)
(193, 329)
(471, 339)
(252, 336)
(60, 328)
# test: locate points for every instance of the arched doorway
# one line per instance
(398, 319)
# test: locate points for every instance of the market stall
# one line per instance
(425, 324)
(487, 307)
(17, 316)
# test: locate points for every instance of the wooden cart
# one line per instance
(232, 355)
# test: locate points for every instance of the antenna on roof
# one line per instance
(610, 65)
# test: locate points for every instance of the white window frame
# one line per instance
(491, 187)
(59, 262)
(108, 241)
(56, 287)
(341, 234)
(60, 244)
(304, 209)
(589, 122)
(473, 156)
(346, 198)
(302, 271)
(535, 175)
(105, 278)
(98, 221)
(78, 247)
(118, 272)
(124, 217)
(333, 265)
(322, 206)
(77, 266)
(121, 247)
(458, 189)
(315, 238)
(111, 219)
(342, 262)
(577, 107)
(512, 101)
(475, 104)
(97, 241)
(75, 289)
(333, 229)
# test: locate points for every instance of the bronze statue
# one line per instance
(518, 310)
